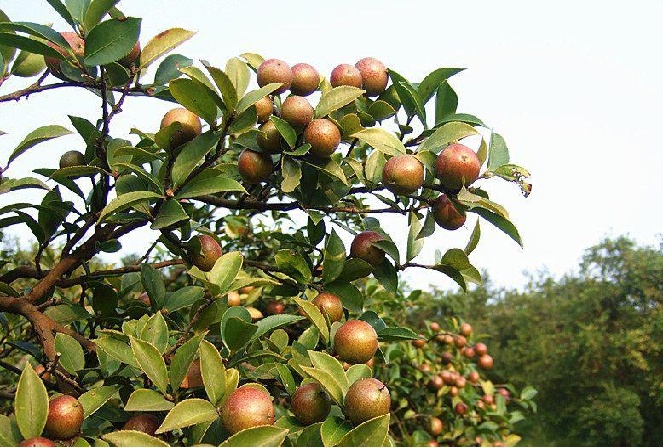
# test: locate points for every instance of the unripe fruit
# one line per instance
(505, 393)
(75, 42)
(190, 125)
(147, 423)
(194, 377)
(323, 136)
(247, 407)
(461, 408)
(367, 398)
(264, 108)
(446, 214)
(246, 289)
(275, 70)
(356, 342)
(434, 426)
(204, 252)
(461, 381)
(72, 158)
(132, 57)
(465, 329)
(297, 111)
(425, 367)
(362, 247)
(329, 304)
(65, 417)
(485, 362)
(310, 404)
(271, 141)
(480, 348)
(233, 298)
(305, 79)
(345, 75)
(488, 399)
(37, 441)
(254, 167)
(373, 74)
(403, 174)
(457, 166)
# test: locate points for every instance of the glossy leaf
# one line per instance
(41, 134)
(313, 313)
(370, 433)
(156, 332)
(334, 259)
(187, 413)
(382, 140)
(258, 436)
(95, 398)
(111, 40)
(125, 201)
(152, 281)
(212, 371)
(196, 97)
(225, 270)
(116, 349)
(225, 86)
(145, 400)
(163, 43)
(151, 363)
(170, 213)
(333, 430)
(331, 365)
(129, 437)
(273, 322)
(182, 359)
(446, 134)
(209, 181)
(434, 80)
(96, 11)
(292, 174)
(30, 403)
(72, 358)
(474, 239)
(336, 98)
(498, 153)
(328, 382)
(192, 154)
(446, 102)
(254, 96)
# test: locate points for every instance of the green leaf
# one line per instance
(411, 101)
(163, 43)
(274, 321)
(210, 181)
(446, 134)
(381, 110)
(511, 172)
(501, 222)
(145, 400)
(182, 298)
(528, 393)
(225, 270)
(139, 171)
(498, 153)
(225, 86)
(334, 258)
(471, 200)
(415, 243)
(237, 332)
(95, 398)
(183, 358)
(474, 239)
(446, 102)
(156, 332)
(72, 358)
(350, 296)
(212, 371)
(390, 334)
(196, 97)
(170, 213)
(256, 95)
(336, 98)
(151, 362)
(293, 264)
(331, 365)
(434, 80)
(129, 437)
(292, 174)
(77, 9)
(239, 75)
(30, 404)
(7, 185)
(455, 258)
(328, 382)
(258, 436)
(192, 154)
(96, 11)
(370, 433)
(357, 372)
(111, 40)
(170, 68)
(152, 281)
(288, 132)
(314, 314)
(382, 140)
(117, 349)
(9, 432)
(187, 413)
(41, 134)
(286, 377)
(385, 273)
(125, 201)
(333, 430)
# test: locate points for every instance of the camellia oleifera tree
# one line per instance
(248, 320)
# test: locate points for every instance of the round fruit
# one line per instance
(269, 139)
(419, 343)
(474, 377)
(505, 393)
(480, 348)
(194, 377)
(190, 125)
(374, 76)
(233, 298)
(65, 417)
(453, 391)
(461, 408)
(75, 42)
(367, 398)
(145, 299)
(264, 108)
(147, 423)
(434, 426)
(204, 252)
(255, 313)
(460, 341)
(436, 383)
(425, 367)
(329, 304)
(457, 166)
(305, 79)
(297, 111)
(275, 307)
(247, 407)
(275, 70)
(132, 57)
(447, 358)
(465, 329)
(485, 362)
(356, 342)
(310, 404)
(433, 443)
(434, 326)
(403, 174)
(72, 158)
(448, 377)
(37, 441)
(362, 247)
(446, 214)
(461, 381)
(254, 167)
(323, 136)
(469, 352)
(345, 75)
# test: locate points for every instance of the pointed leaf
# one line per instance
(156, 332)
(170, 213)
(331, 365)
(225, 86)
(95, 398)
(313, 313)
(258, 436)
(474, 239)
(187, 413)
(446, 134)
(225, 270)
(145, 400)
(111, 40)
(192, 154)
(382, 140)
(163, 43)
(212, 371)
(434, 80)
(183, 358)
(125, 201)
(328, 382)
(336, 98)
(129, 437)
(151, 363)
(72, 357)
(334, 260)
(333, 430)
(498, 153)
(256, 95)
(195, 96)
(37, 136)
(96, 11)
(30, 404)
(370, 433)
(209, 181)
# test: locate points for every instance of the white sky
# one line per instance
(574, 87)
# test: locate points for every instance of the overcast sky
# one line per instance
(574, 88)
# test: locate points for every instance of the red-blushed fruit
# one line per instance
(269, 139)
(37, 441)
(433, 443)
(234, 299)
(469, 352)
(247, 407)
(193, 377)
(457, 166)
(190, 125)
(329, 304)
(367, 398)
(275, 307)
(147, 423)
(310, 404)
(447, 358)
(362, 247)
(305, 79)
(264, 108)
(505, 393)
(254, 167)
(419, 343)
(297, 111)
(72, 158)
(373, 74)
(323, 136)
(65, 417)
(461, 408)
(485, 362)
(204, 252)
(425, 367)
(488, 399)
(255, 313)
(275, 70)
(436, 382)
(461, 381)
(448, 377)
(345, 75)
(434, 426)
(474, 377)
(356, 342)
(480, 348)
(465, 329)
(75, 42)
(446, 214)
(460, 341)
(145, 299)
(132, 57)
(434, 326)
(403, 174)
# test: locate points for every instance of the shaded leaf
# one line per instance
(144, 400)
(128, 437)
(151, 363)
(111, 40)
(258, 436)
(72, 358)
(95, 398)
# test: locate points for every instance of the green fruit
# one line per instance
(457, 166)
(329, 304)
(323, 136)
(345, 75)
(434, 426)
(204, 251)
(247, 407)
(367, 398)
(77, 46)
(362, 247)
(310, 404)
(37, 441)
(275, 70)
(65, 417)
(305, 79)
(269, 139)
(190, 125)
(374, 76)
(446, 214)
(356, 342)
(403, 174)
(28, 64)
(254, 167)
(147, 423)
(297, 111)
(72, 158)
(264, 108)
